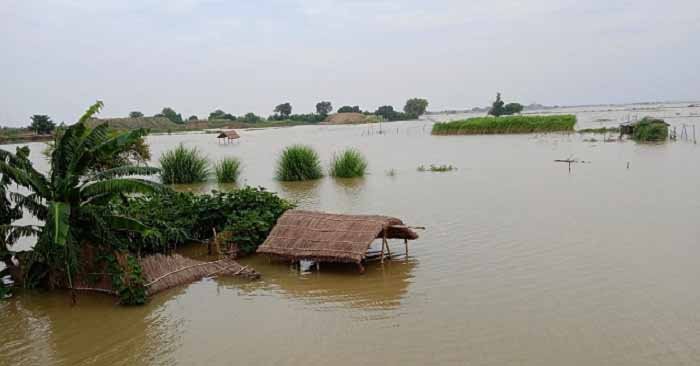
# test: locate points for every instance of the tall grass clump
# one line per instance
(348, 164)
(182, 166)
(227, 170)
(297, 163)
(506, 125)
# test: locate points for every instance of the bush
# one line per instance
(180, 217)
(228, 170)
(183, 166)
(297, 163)
(348, 164)
(504, 125)
(650, 129)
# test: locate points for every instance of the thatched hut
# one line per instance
(324, 237)
(228, 136)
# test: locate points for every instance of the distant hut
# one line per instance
(228, 136)
(323, 237)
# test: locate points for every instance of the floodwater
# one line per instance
(522, 261)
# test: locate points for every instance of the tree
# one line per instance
(170, 114)
(386, 111)
(284, 109)
(415, 107)
(42, 124)
(251, 118)
(512, 108)
(219, 114)
(135, 114)
(349, 109)
(192, 118)
(73, 198)
(324, 108)
(497, 108)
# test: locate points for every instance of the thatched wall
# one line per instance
(328, 237)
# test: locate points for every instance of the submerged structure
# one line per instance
(228, 136)
(325, 237)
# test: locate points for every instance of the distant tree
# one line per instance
(42, 124)
(192, 118)
(219, 114)
(324, 108)
(135, 114)
(415, 106)
(284, 109)
(512, 108)
(497, 108)
(170, 114)
(386, 111)
(349, 109)
(251, 118)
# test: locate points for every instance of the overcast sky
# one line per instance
(59, 56)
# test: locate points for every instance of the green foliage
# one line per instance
(349, 109)
(127, 278)
(415, 107)
(284, 109)
(436, 168)
(192, 118)
(221, 115)
(650, 129)
(228, 170)
(297, 163)
(251, 118)
(389, 114)
(497, 108)
(505, 125)
(42, 124)
(183, 166)
(179, 217)
(324, 108)
(512, 108)
(170, 114)
(348, 164)
(135, 114)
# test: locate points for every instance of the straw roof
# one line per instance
(326, 237)
(228, 134)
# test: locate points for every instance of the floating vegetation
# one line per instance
(228, 170)
(298, 163)
(348, 164)
(650, 129)
(506, 125)
(183, 166)
(391, 172)
(600, 130)
(436, 168)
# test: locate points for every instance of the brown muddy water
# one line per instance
(522, 262)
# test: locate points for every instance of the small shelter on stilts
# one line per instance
(324, 237)
(228, 136)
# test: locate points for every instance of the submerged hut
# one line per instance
(228, 136)
(324, 237)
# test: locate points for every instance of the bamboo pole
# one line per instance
(405, 243)
(180, 270)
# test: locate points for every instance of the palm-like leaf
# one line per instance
(12, 233)
(119, 186)
(31, 203)
(58, 222)
(27, 177)
(126, 171)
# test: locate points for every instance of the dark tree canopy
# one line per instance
(385, 111)
(415, 106)
(219, 114)
(251, 117)
(497, 108)
(170, 114)
(349, 109)
(42, 124)
(513, 108)
(284, 109)
(192, 118)
(135, 114)
(324, 108)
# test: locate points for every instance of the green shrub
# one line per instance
(505, 125)
(228, 170)
(649, 129)
(348, 164)
(297, 163)
(183, 166)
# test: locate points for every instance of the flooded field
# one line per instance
(522, 262)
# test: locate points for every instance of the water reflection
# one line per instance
(305, 194)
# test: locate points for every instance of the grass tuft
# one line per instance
(228, 170)
(298, 163)
(183, 166)
(348, 164)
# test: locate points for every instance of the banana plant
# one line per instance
(73, 196)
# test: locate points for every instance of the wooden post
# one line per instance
(405, 242)
(360, 267)
(384, 243)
